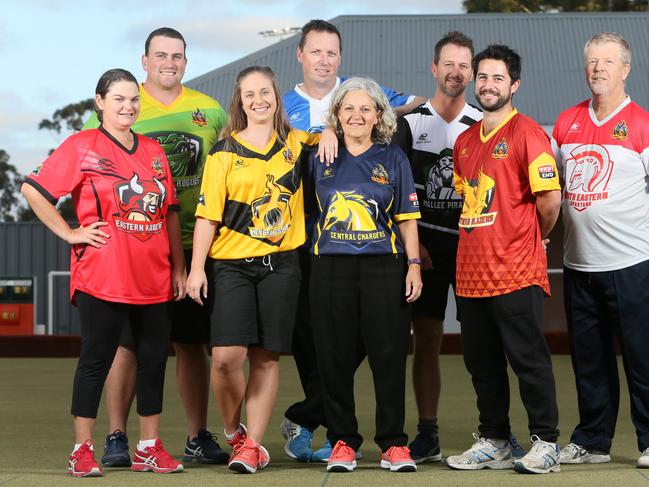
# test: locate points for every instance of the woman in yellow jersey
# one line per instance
(250, 220)
(360, 283)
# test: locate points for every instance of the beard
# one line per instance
(496, 105)
(453, 91)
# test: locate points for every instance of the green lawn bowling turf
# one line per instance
(36, 435)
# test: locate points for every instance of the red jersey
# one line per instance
(500, 249)
(132, 190)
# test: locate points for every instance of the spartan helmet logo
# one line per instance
(439, 181)
(140, 200)
(592, 169)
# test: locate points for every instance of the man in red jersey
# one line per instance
(507, 177)
(602, 147)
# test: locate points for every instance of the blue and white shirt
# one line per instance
(359, 200)
(310, 114)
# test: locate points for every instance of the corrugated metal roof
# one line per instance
(397, 50)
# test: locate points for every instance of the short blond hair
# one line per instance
(604, 37)
(387, 125)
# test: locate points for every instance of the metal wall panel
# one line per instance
(397, 51)
(30, 249)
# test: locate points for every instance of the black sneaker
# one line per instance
(204, 449)
(116, 450)
(425, 448)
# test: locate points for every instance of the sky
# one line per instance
(54, 51)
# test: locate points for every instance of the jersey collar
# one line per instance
(599, 123)
(301, 92)
(150, 99)
(256, 150)
(485, 138)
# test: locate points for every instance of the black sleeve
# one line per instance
(403, 137)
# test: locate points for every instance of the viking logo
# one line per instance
(199, 118)
(501, 151)
(478, 196)
(380, 175)
(350, 211)
(620, 131)
(271, 214)
(439, 182)
(140, 206)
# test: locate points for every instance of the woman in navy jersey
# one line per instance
(126, 261)
(366, 208)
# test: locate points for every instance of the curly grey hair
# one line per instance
(387, 125)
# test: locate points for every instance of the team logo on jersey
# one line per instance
(201, 199)
(464, 152)
(199, 118)
(380, 175)
(501, 151)
(183, 151)
(590, 168)
(440, 193)
(620, 131)
(351, 218)
(423, 138)
(478, 196)
(295, 116)
(140, 204)
(240, 164)
(37, 169)
(574, 127)
(288, 156)
(271, 213)
(157, 167)
(328, 172)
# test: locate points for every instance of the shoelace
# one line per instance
(158, 451)
(343, 449)
(399, 451)
(249, 453)
(116, 441)
(85, 452)
(207, 436)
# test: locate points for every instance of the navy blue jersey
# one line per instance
(359, 200)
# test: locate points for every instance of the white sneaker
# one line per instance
(543, 457)
(573, 453)
(643, 461)
(483, 454)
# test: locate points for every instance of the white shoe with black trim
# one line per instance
(573, 453)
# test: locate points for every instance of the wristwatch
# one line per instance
(416, 260)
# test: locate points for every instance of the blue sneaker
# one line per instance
(425, 448)
(298, 441)
(116, 450)
(323, 454)
(204, 449)
(517, 450)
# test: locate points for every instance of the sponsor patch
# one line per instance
(547, 172)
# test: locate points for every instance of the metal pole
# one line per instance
(50, 298)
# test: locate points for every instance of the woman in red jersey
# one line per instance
(126, 261)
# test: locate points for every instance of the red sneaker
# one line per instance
(82, 462)
(248, 457)
(155, 459)
(238, 437)
(398, 459)
(342, 458)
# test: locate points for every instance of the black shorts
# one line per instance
(255, 301)
(190, 322)
(442, 248)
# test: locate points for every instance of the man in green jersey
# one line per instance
(186, 124)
